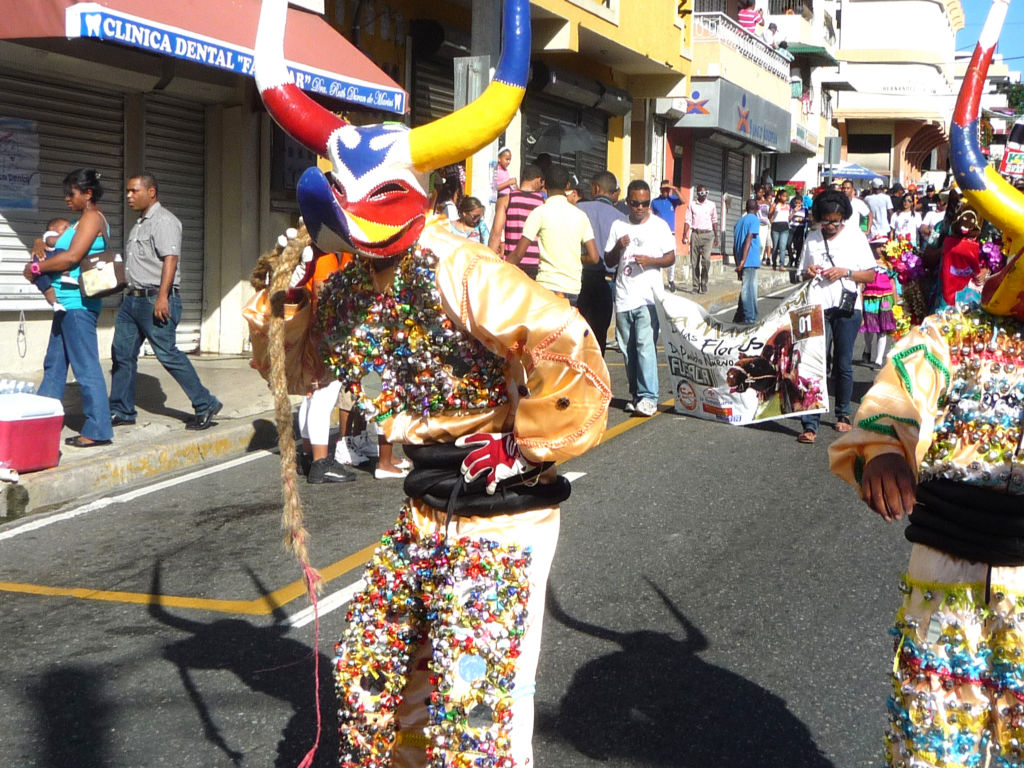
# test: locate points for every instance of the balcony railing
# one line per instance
(719, 28)
(709, 6)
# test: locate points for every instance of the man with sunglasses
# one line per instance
(639, 248)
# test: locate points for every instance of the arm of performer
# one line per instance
(894, 424)
(564, 390)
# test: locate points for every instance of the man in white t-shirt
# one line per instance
(880, 205)
(861, 218)
(639, 248)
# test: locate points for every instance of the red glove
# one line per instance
(498, 457)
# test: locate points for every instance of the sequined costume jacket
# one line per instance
(465, 343)
(951, 401)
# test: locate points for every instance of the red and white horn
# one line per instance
(301, 117)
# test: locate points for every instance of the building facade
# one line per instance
(896, 120)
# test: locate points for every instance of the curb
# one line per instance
(41, 491)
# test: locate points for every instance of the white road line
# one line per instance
(330, 603)
(130, 495)
(336, 600)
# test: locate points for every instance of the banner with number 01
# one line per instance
(739, 374)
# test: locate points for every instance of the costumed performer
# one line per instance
(487, 379)
(938, 437)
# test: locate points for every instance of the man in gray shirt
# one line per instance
(151, 309)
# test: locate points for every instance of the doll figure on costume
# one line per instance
(938, 438)
(486, 379)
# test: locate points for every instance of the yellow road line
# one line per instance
(261, 606)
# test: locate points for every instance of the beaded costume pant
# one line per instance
(437, 665)
(958, 678)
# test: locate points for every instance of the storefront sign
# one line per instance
(738, 375)
(94, 21)
(19, 164)
(718, 104)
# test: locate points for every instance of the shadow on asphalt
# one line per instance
(73, 717)
(267, 662)
(656, 702)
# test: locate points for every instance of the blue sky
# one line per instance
(1011, 44)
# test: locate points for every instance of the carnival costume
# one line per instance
(487, 379)
(950, 401)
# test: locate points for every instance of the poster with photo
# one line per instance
(19, 164)
(741, 374)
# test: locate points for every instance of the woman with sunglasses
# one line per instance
(837, 259)
(470, 224)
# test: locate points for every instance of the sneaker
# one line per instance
(345, 452)
(629, 407)
(328, 471)
(646, 407)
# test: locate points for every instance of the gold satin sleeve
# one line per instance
(558, 383)
(898, 413)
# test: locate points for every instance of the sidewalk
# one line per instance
(158, 443)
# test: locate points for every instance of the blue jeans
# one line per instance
(840, 333)
(73, 341)
(637, 330)
(748, 294)
(780, 241)
(134, 323)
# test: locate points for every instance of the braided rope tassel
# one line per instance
(296, 537)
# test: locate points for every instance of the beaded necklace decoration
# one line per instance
(426, 364)
(977, 437)
(468, 597)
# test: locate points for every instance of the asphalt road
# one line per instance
(718, 598)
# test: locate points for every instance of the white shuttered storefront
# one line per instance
(75, 128)
(174, 154)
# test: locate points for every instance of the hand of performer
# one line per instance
(888, 486)
(497, 456)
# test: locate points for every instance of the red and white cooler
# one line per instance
(29, 431)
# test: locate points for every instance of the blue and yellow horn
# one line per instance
(455, 137)
(983, 188)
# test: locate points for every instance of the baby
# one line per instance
(44, 282)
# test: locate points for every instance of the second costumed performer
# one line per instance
(939, 437)
(487, 379)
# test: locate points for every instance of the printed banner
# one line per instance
(19, 164)
(742, 374)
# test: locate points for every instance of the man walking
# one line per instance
(639, 247)
(565, 236)
(747, 245)
(700, 230)
(510, 214)
(151, 309)
(597, 292)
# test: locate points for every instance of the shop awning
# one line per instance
(217, 34)
(815, 55)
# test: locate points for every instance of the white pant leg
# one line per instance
(317, 424)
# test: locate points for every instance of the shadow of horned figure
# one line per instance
(655, 701)
(267, 662)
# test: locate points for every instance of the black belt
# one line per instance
(702, 231)
(437, 480)
(149, 292)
